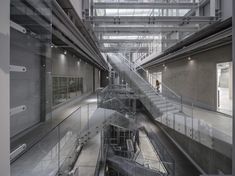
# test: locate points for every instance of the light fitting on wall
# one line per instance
(164, 66)
(65, 52)
(189, 59)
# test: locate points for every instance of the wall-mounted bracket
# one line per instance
(18, 27)
(17, 110)
(15, 68)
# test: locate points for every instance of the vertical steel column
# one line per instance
(233, 48)
(5, 87)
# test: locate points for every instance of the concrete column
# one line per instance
(230, 85)
(233, 46)
(212, 7)
(5, 87)
(85, 9)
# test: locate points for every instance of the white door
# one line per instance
(224, 87)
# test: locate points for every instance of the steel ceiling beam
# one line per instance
(223, 37)
(134, 34)
(64, 25)
(147, 5)
(146, 29)
(119, 50)
(152, 20)
(138, 40)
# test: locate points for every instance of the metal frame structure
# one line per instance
(127, 49)
(223, 38)
(144, 5)
(151, 29)
(169, 21)
(64, 25)
(148, 20)
(138, 40)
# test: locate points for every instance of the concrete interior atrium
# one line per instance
(117, 88)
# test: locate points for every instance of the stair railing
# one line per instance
(166, 88)
(133, 67)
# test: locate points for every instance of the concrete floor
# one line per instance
(44, 157)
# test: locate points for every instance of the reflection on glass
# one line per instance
(65, 88)
(72, 88)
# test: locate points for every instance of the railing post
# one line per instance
(181, 103)
(58, 157)
(192, 121)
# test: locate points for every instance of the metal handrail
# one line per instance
(139, 66)
(129, 64)
(133, 68)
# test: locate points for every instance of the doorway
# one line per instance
(224, 87)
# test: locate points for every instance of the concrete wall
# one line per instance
(97, 78)
(70, 66)
(5, 87)
(195, 80)
(209, 160)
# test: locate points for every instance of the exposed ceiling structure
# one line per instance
(139, 28)
(49, 22)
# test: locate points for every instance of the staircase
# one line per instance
(167, 107)
(129, 167)
(157, 104)
(100, 119)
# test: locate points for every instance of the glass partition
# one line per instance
(54, 152)
(30, 73)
